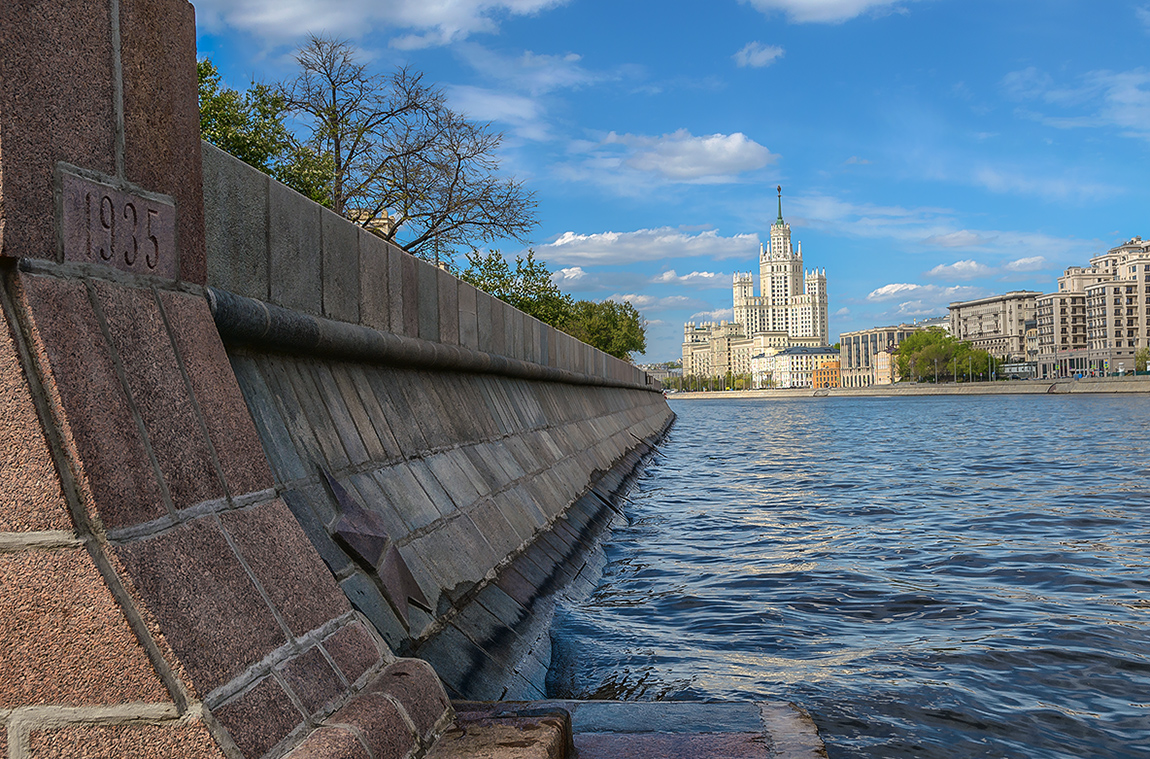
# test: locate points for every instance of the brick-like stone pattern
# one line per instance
(177, 741)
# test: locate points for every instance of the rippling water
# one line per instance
(929, 577)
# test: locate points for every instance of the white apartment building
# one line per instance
(996, 324)
(860, 349)
(793, 367)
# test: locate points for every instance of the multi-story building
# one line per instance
(796, 366)
(828, 375)
(1060, 334)
(1118, 306)
(996, 324)
(859, 349)
(790, 311)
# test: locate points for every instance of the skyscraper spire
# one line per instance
(780, 219)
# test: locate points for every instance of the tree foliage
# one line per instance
(934, 355)
(1141, 358)
(614, 328)
(399, 153)
(250, 126)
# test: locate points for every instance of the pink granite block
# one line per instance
(116, 473)
(63, 638)
(330, 743)
(259, 718)
(353, 649)
(30, 495)
(312, 680)
(414, 684)
(176, 741)
(380, 723)
(211, 613)
(287, 565)
(160, 393)
(214, 385)
(56, 97)
(162, 116)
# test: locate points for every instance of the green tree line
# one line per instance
(935, 356)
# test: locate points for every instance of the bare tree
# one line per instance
(399, 152)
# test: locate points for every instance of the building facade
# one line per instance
(794, 367)
(996, 324)
(858, 352)
(827, 376)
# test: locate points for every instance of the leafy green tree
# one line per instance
(250, 126)
(528, 287)
(1141, 358)
(614, 328)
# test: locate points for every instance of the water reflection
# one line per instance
(931, 577)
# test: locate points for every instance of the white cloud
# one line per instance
(645, 245)
(718, 315)
(922, 300)
(757, 55)
(530, 72)
(1004, 180)
(825, 11)
(854, 160)
(968, 269)
(1116, 99)
(654, 302)
(569, 275)
(1030, 263)
(844, 311)
(683, 157)
(963, 238)
(696, 278)
(427, 23)
(523, 114)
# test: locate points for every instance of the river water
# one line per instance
(928, 577)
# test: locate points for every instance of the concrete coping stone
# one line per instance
(248, 321)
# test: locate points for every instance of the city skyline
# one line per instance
(929, 150)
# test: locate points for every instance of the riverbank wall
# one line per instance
(270, 486)
(1092, 385)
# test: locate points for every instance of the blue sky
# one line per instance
(929, 150)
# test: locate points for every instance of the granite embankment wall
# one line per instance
(244, 464)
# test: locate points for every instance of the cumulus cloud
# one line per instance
(1030, 263)
(825, 11)
(968, 269)
(696, 278)
(844, 311)
(569, 275)
(530, 72)
(921, 300)
(418, 23)
(757, 55)
(718, 315)
(683, 157)
(645, 245)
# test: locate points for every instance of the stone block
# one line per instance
(159, 393)
(353, 649)
(340, 268)
(468, 317)
(272, 429)
(374, 309)
(295, 250)
(439, 497)
(453, 479)
(182, 740)
(484, 304)
(642, 745)
(395, 292)
(464, 669)
(235, 224)
(365, 596)
(413, 683)
(412, 399)
(384, 385)
(378, 502)
(448, 308)
(259, 718)
(115, 467)
(535, 737)
(316, 415)
(274, 371)
(56, 97)
(313, 680)
(349, 394)
(30, 488)
(343, 424)
(499, 311)
(427, 283)
(59, 617)
(495, 528)
(221, 403)
(411, 293)
(517, 587)
(162, 115)
(380, 723)
(330, 743)
(211, 613)
(407, 497)
(374, 406)
(311, 507)
(289, 569)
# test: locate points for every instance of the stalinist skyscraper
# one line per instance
(792, 300)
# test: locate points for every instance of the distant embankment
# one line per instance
(1139, 384)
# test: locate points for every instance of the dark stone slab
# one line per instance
(318, 419)
(236, 228)
(56, 97)
(259, 718)
(448, 308)
(374, 406)
(108, 440)
(485, 630)
(373, 497)
(380, 724)
(343, 424)
(350, 396)
(288, 568)
(498, 337)
(272, 369)
(273, 432)
(414, 684)
(160, 393)
(310, 506)
(374, 310)
(211, 613)
(162, 115)
(750, 745)
(407, 496)
(495, 528)
(431, 486)
(367, 598)
(353, 649)
(468, 317)
(214, 385)
(463, 668)
(411, 295)
(294, 250)
(330, 743)
(396, 294)
(427, 281)
(312, 679)
(340, 268)
(384, 385)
